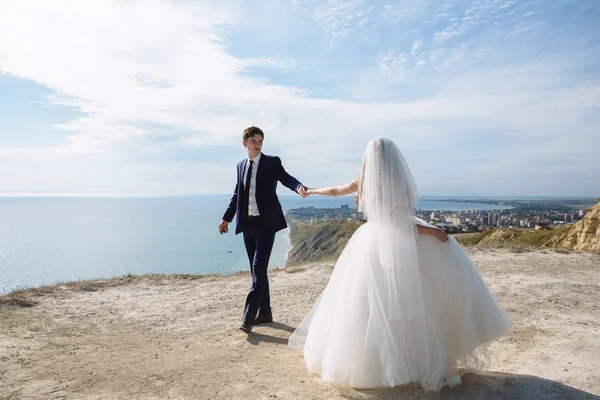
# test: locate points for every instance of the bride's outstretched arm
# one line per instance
(342, 190)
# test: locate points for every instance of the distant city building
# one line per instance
(521, 215)
(492, 219)
(455, 220)
(574, 217)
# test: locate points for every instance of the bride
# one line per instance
(404, 302)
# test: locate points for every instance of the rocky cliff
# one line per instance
(319, 241)
(585, 234)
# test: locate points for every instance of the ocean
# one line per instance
(45, 240)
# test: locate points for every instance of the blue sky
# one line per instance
(484, 97)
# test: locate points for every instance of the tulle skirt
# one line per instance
(349, 338)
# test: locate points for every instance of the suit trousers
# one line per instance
(259, 244)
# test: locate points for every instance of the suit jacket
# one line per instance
(269, 172)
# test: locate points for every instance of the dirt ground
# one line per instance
(177, 337)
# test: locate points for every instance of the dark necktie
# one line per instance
(247, 189)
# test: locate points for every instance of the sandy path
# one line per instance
(175, 338)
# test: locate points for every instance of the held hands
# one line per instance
(223, 227)
(304, 191)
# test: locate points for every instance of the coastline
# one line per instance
(515, 202)
(44, 240)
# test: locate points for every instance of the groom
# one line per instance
(259, 217)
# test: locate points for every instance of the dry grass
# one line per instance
(518, 240)
(26, 297)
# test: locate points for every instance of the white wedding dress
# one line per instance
(399, 307)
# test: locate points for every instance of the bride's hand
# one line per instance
(443, 236)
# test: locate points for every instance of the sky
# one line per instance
(483, 97)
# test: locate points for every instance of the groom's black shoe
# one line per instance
(261, 319)
(246, 327)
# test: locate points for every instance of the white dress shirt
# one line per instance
(252, 206)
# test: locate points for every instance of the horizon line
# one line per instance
(154, 195)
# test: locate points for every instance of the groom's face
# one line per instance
(254, 145)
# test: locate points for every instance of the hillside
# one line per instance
(319, 241)
(585, 234)
(516, 238)
(325, 241)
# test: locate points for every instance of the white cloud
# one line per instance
(284, 63)
(154, 76)
(402, 10)
(342, 18)
(417, 44)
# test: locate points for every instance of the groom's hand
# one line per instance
(303, 191)
(223, 227)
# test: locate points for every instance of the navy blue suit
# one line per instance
(259, 233)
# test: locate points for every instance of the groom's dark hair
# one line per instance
(253, 130)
